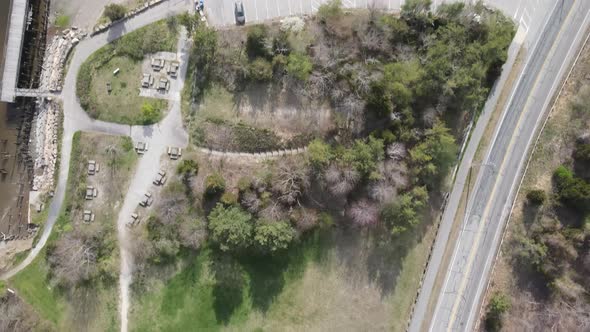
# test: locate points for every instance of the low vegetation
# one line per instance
(123, 103)
(16, 315)
(62, 21)
(114, 11)
(80, 262)
(497, 306)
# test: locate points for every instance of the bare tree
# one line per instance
(321, 83)
(394, 172)
(305, 219)
(397, 151)
(170, 206)
(354, 108)
(372, 40)
(382, 192)
(16, 315)
(273, 212)
(192, 233)
(251, 202)
(292, 180)
(363, 213)
(341, 179)
(74, 259)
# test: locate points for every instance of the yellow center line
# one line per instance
(482, 221)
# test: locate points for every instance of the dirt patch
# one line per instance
(9, 251)
(85, 13)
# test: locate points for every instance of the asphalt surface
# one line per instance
(221, 12)
(488, 207)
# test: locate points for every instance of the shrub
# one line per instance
(299, 66)
(229, 198)
(536, 196)
(214, 184)
(260, 70)
(244, 183)
(499, 304)
(230, 228)
(319, 153)
(149, 113)
(582, 152)
(114, 11)
(329, 10)
(256, 41)
(573, 191)
(433, 158)
(2, 288)
(363, 156)
(406, 212)
(273, 236)
(62, 21)
(188, 167)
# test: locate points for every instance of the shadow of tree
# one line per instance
(228, 292)
(116, 31)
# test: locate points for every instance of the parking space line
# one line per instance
(522, 21)
(256, 9)
(267, 12)
(278, 9)
(528, 17)
(289, 4)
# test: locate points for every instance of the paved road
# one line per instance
(466, 278)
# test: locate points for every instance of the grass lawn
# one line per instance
(93, 307)
(123, 104)
(337, 281)
(32, 285)
(62, 21)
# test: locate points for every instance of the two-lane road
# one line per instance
(488, 207)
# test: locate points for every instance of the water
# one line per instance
(14, 183)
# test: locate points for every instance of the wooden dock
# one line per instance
(14, 44)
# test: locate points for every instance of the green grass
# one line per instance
(62, 21)
(218, 104)
(33, 286)
(123, 104)
(214, 290)
(324, 283)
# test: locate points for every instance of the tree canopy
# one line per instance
(404, 213)
(273, 236)
(433, 157)
(230, 227)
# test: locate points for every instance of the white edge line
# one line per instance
(538, 136)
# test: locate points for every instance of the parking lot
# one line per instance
(221, 12)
